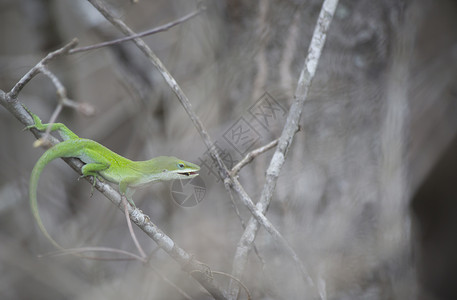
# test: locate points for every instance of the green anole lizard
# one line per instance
(100, 161)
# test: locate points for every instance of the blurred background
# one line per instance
(366, 198)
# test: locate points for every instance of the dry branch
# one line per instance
(285, 140)
(199, 271)
(158, 29)
(250, 156)
(223, 171)
(184, 259)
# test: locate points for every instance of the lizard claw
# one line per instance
(93, 184)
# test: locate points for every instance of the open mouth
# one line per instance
(188, 173)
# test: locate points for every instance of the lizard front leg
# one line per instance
(92, 169)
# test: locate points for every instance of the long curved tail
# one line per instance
(62, 149)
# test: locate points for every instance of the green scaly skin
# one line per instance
(100, 161)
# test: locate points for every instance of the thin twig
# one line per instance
(96, 249)
(251, 155)
(237, 280)
(85, 108)
(62, 101)
(161, 28)
(286, 138)
(61, 90)
(35, 70)
(41, 67)
(52, 120)
(132, 233)
(172, 284)
(130, 255)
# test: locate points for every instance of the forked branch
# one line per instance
(290, 128)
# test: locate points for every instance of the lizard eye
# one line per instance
(181, 165)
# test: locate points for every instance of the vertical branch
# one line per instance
(286, 138)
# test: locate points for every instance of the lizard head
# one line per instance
(175, 168)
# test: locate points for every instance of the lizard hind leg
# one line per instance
(127, 191)
(63, 130)
(129, 195)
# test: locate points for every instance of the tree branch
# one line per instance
(285, 140)
(158, 29)
(41, 67)
(223, 171)
(120, 25)
(38, 68)
(250, 156)
(197, 269)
